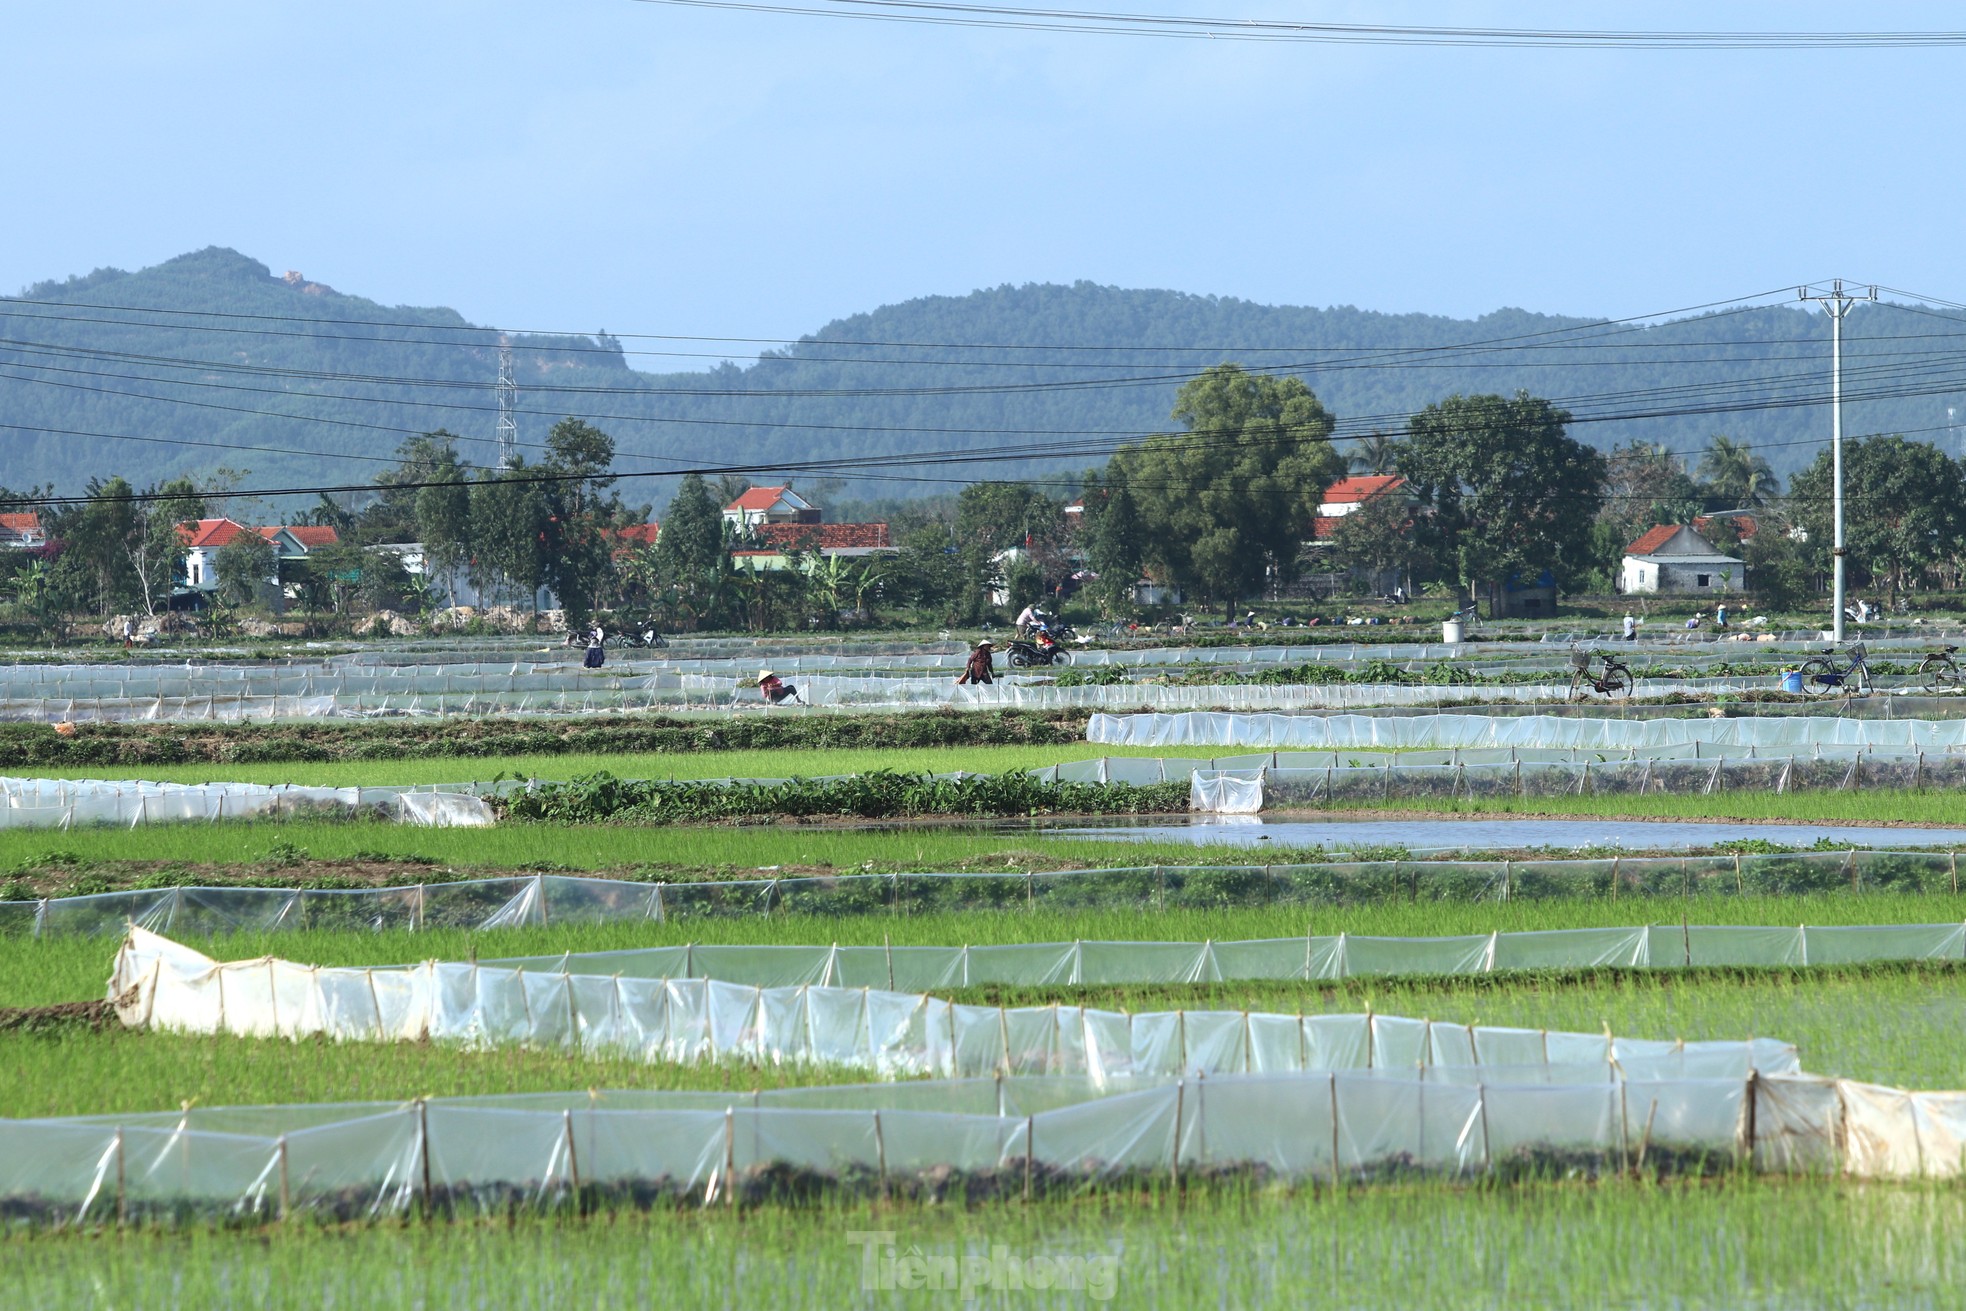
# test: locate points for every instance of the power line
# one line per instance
(947, 13)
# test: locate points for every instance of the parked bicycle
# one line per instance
(1614, 681)
(1940, 672)
(1822, 675)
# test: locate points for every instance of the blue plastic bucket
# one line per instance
(1792, 680)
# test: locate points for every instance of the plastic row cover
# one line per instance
(68, 803)
(1297, 732)
(920, 969)
(1244, 792)
(161, 984)
(572, 899)
(976, 1139)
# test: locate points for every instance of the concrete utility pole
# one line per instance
(1836, 302)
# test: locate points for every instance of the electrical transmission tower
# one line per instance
(1836, 302)
(508, 406)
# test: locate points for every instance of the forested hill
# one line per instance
(212, 359)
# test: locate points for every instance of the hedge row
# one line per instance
(25, 745)
(878, 795)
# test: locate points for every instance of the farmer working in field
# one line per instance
(979, 669)
(776, 691)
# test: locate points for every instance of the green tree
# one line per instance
(96, 537)
(508, 534)
(1229, 501)
(443, 519)
(155, 547)
(1646, 484)
(1377, 536)
(396, 513)
(1781, 572)
(579, 512)
(1374, 453)
(243, 566)
(689, 552)
(1502, 488)
(1736, 478)
(993, 518)
(1904, 509)
(1116, 544)
(927, 571)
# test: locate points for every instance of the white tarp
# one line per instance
(161, 984)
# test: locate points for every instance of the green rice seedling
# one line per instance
(1746, 1245)
(808, 762)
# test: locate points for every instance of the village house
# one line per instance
(1674, 559)
(773, 525)
(22, 532)
(203, 539)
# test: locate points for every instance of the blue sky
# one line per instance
(589, 164)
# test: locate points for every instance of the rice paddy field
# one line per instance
(1736, 1240)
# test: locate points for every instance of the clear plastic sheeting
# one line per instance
(538, 899)
(72, 803)
(161, 984)
(1245, 792)
(1006, 1136)
(1312, 957)
(1784, 734)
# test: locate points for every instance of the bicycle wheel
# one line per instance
(1576, 684)
(1617, 682)
(1940, 674)
(1818, 676)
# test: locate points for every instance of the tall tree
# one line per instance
(96, 537)
(443, 518)
(1503, 489)
(155, 547)
(1905, 508)
(508, 533)
(1374, 453)
(1228, 501)
(1377, 536)
(580, 510)
(997, 517)
(1646, 484)
(1736, 478)
(1116, 543)
(689, 552)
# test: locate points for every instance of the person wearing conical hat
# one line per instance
(775, 690)
(979, 669)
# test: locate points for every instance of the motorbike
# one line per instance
(1024, 655)
(645, 637)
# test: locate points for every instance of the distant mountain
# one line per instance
(320, 386)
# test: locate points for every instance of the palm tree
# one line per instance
(1734, 474)
(1376, 453)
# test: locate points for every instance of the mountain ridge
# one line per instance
(319, 384)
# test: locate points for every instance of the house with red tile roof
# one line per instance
(204, 538)
(777, 543)
(773, 524)
(1346, 495)
(766, 505)
(1674, 559)
(22, 531)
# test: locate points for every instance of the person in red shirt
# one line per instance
(775, 690)
(979, 669)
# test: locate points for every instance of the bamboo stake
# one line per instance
(1174, 1161)
(730, 1156)
(880, 1153)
